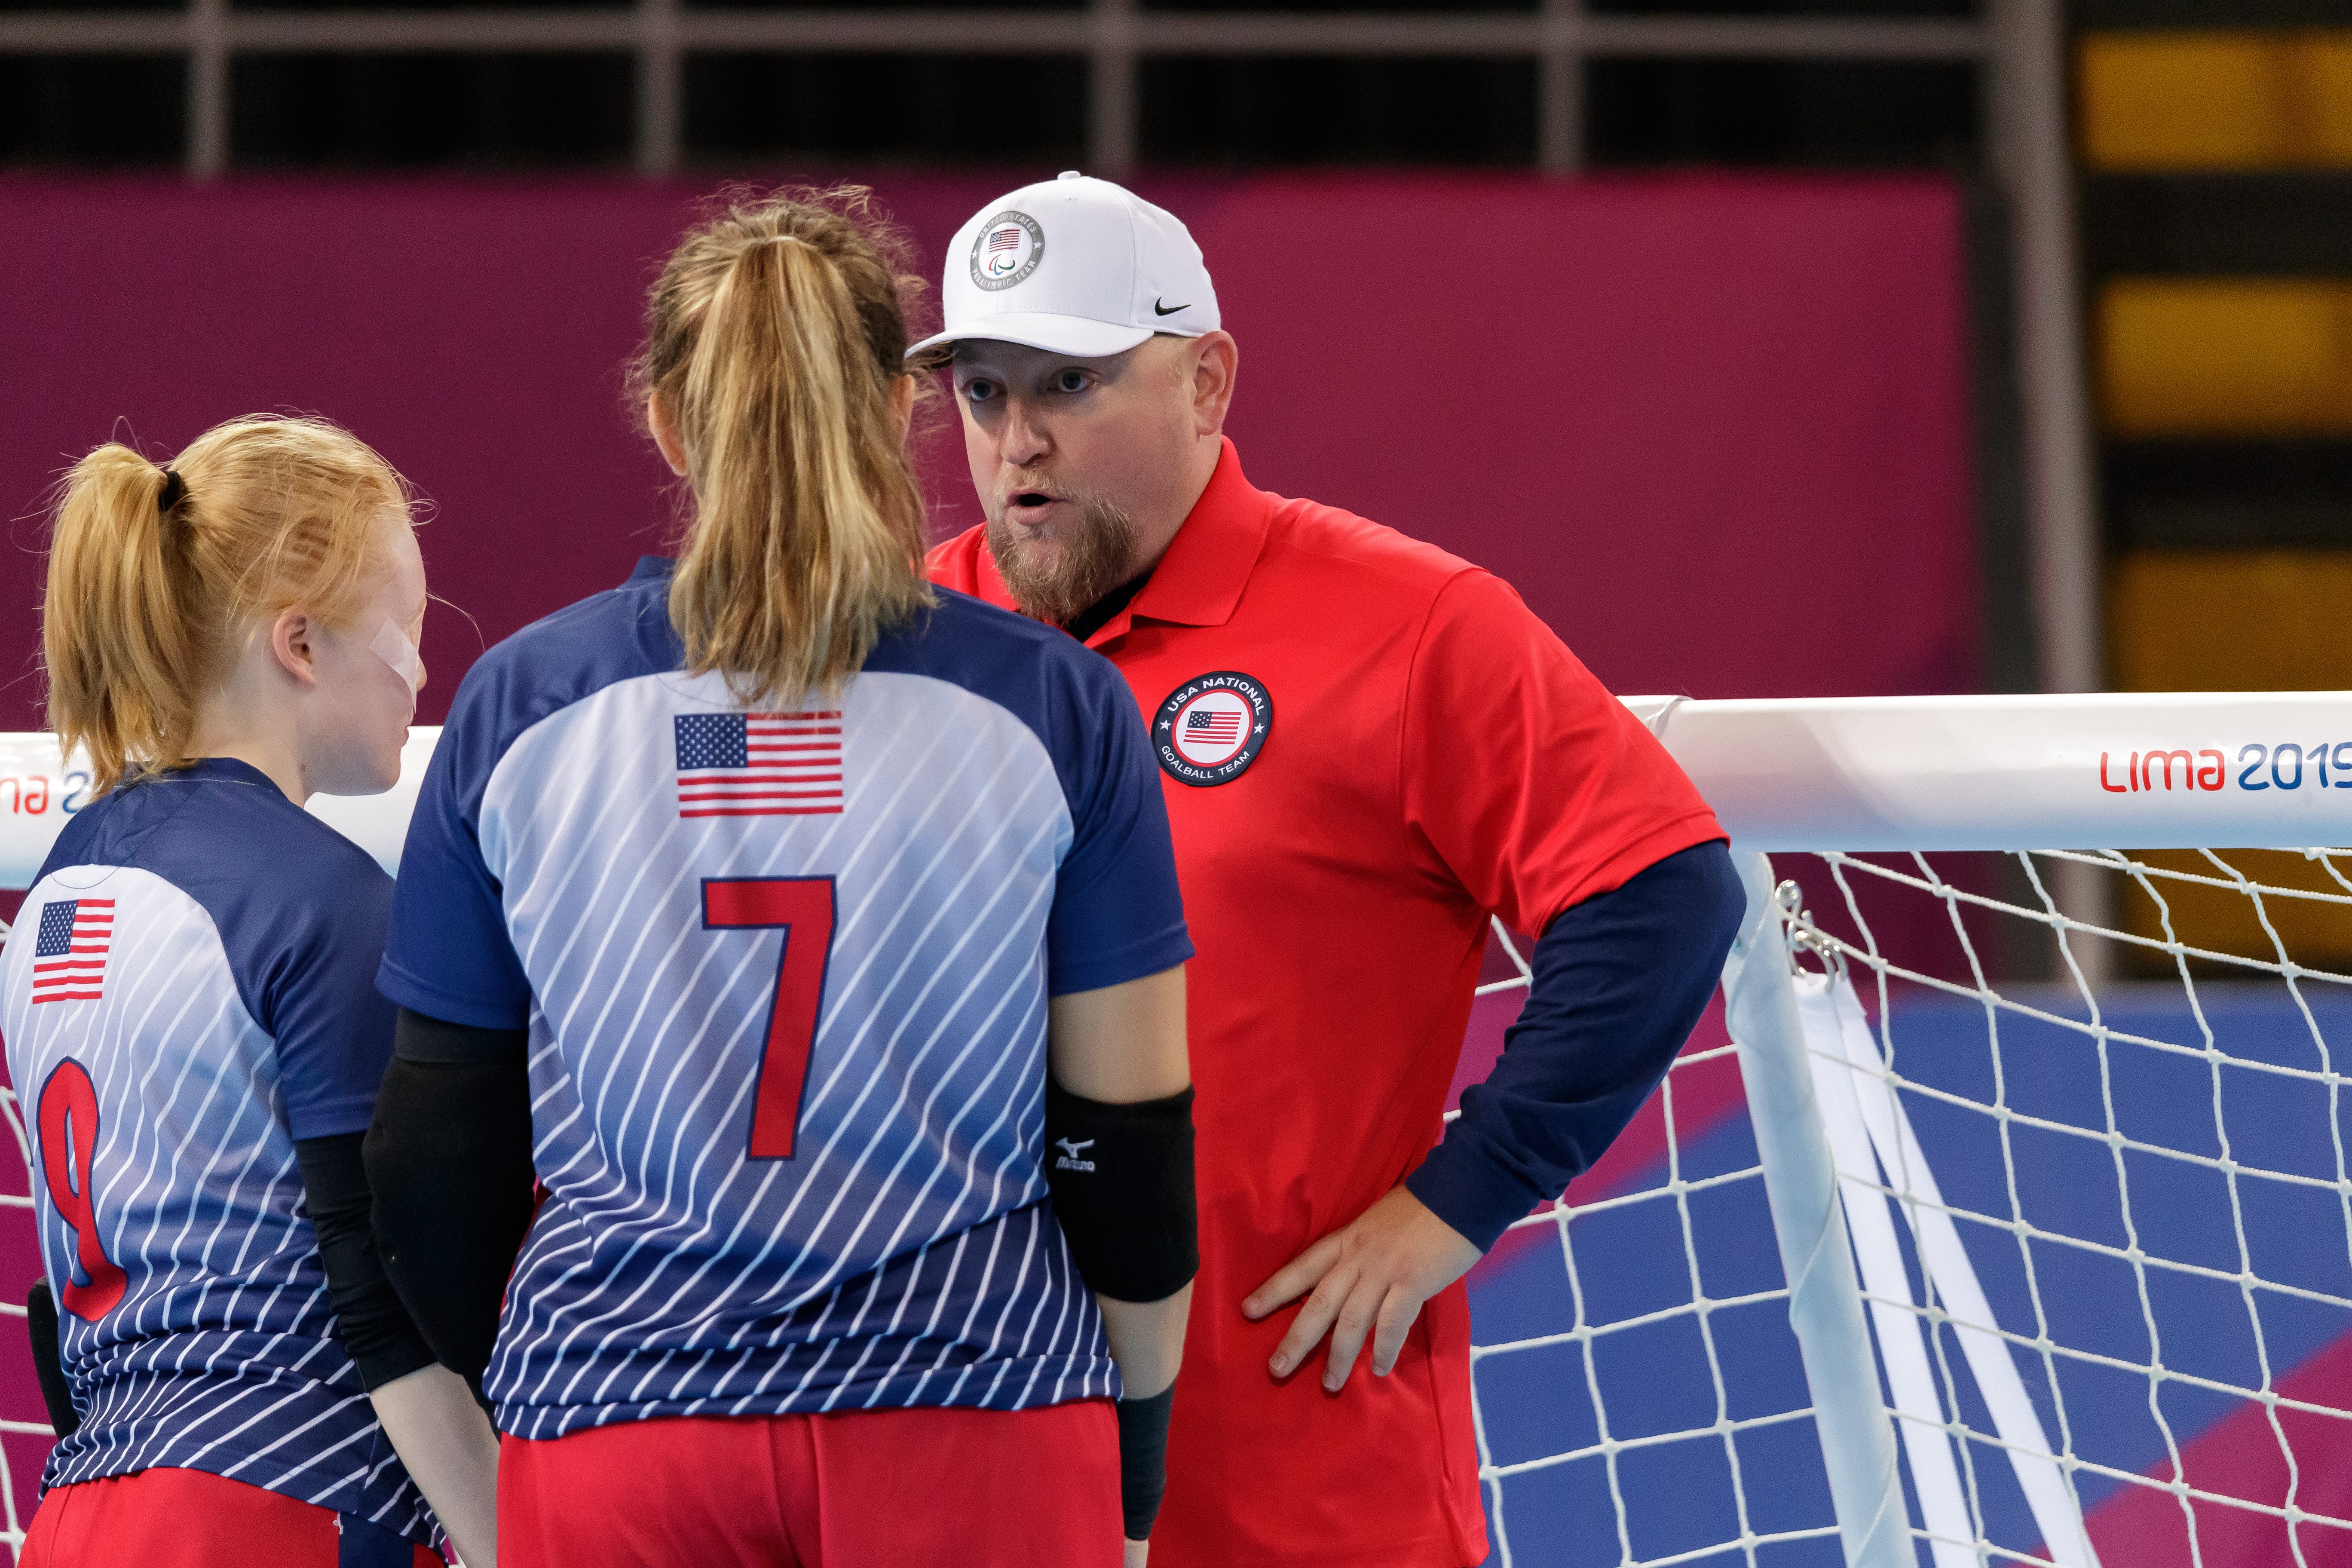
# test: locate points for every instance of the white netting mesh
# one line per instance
(2103, 1231)
(25, 1431)
(1588, 1335)
(2218, 1246)
(1601, 1342)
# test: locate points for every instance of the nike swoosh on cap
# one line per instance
(1159, 309)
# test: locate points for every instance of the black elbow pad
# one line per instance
(1122, 1181)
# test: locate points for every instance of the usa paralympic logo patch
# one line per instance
(1007, 250)
(1212, 728)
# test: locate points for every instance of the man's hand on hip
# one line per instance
(1367, 1278)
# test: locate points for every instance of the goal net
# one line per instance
(1999, 1215)
(2015, 1227)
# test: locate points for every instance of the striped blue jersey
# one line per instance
(188, 990)
(785, 972)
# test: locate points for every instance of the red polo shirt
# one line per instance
(1367, 745)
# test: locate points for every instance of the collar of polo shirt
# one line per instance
(1208, 564)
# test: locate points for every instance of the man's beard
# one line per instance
(1056, 587)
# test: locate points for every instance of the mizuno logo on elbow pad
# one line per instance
(1070, 1153)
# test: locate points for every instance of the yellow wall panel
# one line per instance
(2223, 919)
(2321, 120)
(2240, 357)
(2180, 100)
(2216, 99)
(2209, 620)
(2236, 621)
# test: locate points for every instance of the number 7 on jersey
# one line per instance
(802, 907)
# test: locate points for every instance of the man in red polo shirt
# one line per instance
(1367, 746)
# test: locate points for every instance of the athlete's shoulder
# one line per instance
(958, 621)
(276, 887)
(1067, 696)
(986, 649)
(613, 635)
(218, 823)
(618, 634)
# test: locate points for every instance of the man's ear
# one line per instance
(666, 436)
(293, 643)
(1216, 361)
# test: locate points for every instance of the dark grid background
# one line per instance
(503, 110)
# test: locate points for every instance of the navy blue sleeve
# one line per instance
(448, 955)
(1620, 982)
(1117, 913)
(317, 1000)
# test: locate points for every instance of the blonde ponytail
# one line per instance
(776, 335)
(121, 690)
(145, 604)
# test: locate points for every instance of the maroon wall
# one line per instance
(1713, 428)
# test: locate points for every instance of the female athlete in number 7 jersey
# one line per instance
(189, 1013)
(746, 906)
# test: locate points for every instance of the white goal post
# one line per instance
(1962, 1404)
(1851, 773)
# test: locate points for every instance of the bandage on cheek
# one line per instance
(393, 646)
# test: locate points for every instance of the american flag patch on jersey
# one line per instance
(69, 950)
(1217, 727)
(759, 764)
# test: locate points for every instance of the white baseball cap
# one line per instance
(1074, 266)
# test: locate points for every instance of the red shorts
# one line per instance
(187, 1519)
(881, 1489)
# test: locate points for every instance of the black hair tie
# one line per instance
(172, 492)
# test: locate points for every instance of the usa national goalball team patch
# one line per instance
(1212, 728)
